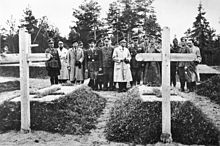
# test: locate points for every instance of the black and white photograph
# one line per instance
(110, 73)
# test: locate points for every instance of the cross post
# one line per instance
(166, 57)
(24, 45)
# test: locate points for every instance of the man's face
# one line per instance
(75, 44)
(92, 44)
(60, 45)
(190, 44)
(51, 45)
(123, 44)
(106, 42)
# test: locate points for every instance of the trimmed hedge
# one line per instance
(132, 120)
(9, 86)
(13, 71)
(73, 114)
(210, 88)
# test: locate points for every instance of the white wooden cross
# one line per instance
(25, 57)
(166, 58)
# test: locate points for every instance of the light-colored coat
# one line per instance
(192, 66)
(122, 72)
(64, 74)
(71, 60)
(80, 58)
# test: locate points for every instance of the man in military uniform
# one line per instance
(181, 65)
(136, 67)
(93, 63)
(107, 64)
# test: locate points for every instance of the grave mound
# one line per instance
(210, 88)
(132, 120)
(75, 113)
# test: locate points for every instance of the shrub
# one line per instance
(210, 88)
(132, 120)
(9, 86)
(72, 114)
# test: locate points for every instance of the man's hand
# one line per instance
(68, 67)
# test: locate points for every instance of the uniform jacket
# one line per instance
(93, 61)
(107, 56)
(54, 56)
(134, 51)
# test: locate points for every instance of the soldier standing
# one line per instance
(107, 64)
(136, 67)
(181, 65)
(93, 63)
(53, 64)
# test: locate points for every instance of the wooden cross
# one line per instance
(25, 58)
(166, 58)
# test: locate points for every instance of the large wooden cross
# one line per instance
(166, 57)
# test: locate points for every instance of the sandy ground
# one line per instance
(97, 136)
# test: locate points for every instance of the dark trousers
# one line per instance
(173, 74)
(136, 75)
(122, 86)
(108, 78)
(181, 72)
(53, 80)
(93, 84)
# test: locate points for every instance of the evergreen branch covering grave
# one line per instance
(9, 86)
(210, 88)
(132, 120)
(72, 114)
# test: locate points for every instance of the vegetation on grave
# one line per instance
(210, 88)
(9, 86)
(73, 114)
(132, 120)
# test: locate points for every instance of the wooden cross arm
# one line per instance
(14, 58)
(158, 57)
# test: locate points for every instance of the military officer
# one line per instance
(107, 64)
(93, 64)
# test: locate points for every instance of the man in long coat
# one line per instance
(191, 67)
(71, 61)
(93, 64)
(107, 65)
(122, 73)
(79, 63)
(64, 75)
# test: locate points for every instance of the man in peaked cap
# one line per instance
(136, 67)
(107, 63)
(93, 64)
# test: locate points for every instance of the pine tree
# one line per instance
(29, 21)
(87, 16)
(203, 34)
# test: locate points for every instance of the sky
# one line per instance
(179, 15)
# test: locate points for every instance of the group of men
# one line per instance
(105, 65)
